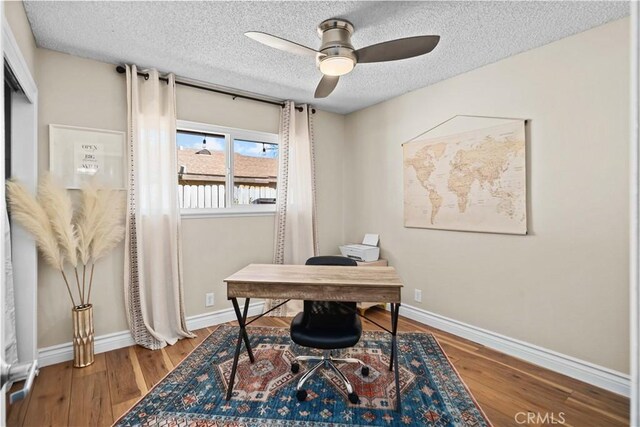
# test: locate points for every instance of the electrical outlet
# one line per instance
(208, 300)
(418, 295)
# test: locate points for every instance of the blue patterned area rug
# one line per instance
(264, 394)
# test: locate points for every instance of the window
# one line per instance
(226, 170)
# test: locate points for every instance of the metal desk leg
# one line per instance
(392, 307)
(394, 351)
(242, 335)
(243, 326)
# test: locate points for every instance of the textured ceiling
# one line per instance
(204, 40)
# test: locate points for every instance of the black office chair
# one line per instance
(327, 326)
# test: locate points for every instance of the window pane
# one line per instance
(255, 172)
(201, 170)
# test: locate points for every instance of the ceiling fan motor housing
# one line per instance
(338, 57)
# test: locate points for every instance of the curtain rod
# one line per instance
(120, 69)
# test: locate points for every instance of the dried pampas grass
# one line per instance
(57, 204)
(109, 230)
(86, 225)
(62, 236)
(87, 220)
(99, 226)
(27, 211)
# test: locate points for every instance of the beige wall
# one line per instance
(565, 285)
(81, 92)
(78, 92)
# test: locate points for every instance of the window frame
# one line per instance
(230, 134)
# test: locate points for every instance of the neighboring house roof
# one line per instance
(202, 167)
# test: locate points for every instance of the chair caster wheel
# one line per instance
(365, 371)
(353, 398)
(295, 367)
(302, 395)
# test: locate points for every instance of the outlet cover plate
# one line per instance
(209, 300)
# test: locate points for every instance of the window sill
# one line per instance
(269, 210)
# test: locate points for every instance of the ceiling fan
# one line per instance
(337, 56)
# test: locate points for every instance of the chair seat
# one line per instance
(328, 338)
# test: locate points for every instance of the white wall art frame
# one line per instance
(76, 155)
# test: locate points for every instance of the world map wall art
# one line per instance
(468, 174)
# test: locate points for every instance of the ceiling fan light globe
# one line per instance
(336, 65)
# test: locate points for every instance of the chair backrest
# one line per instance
(331, 260)
(325, 313)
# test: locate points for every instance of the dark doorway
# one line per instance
(11, 87)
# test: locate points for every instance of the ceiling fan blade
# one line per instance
(326, 86)
(281, 44)
(397, 49)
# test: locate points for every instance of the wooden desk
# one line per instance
(318, 283)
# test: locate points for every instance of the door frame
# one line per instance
(24, 164)
(3, 388)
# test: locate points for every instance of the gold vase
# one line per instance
(82, 316)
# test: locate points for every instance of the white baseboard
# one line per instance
(590, 373)
(63, 352)
(200, 321)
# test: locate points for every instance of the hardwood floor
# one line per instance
(502, 385)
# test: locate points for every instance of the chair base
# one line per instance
(328, 361)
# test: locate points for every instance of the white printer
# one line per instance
(367, 251)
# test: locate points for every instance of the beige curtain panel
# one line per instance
(295, 229)
(153, 258)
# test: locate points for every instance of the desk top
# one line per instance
(323, 283)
